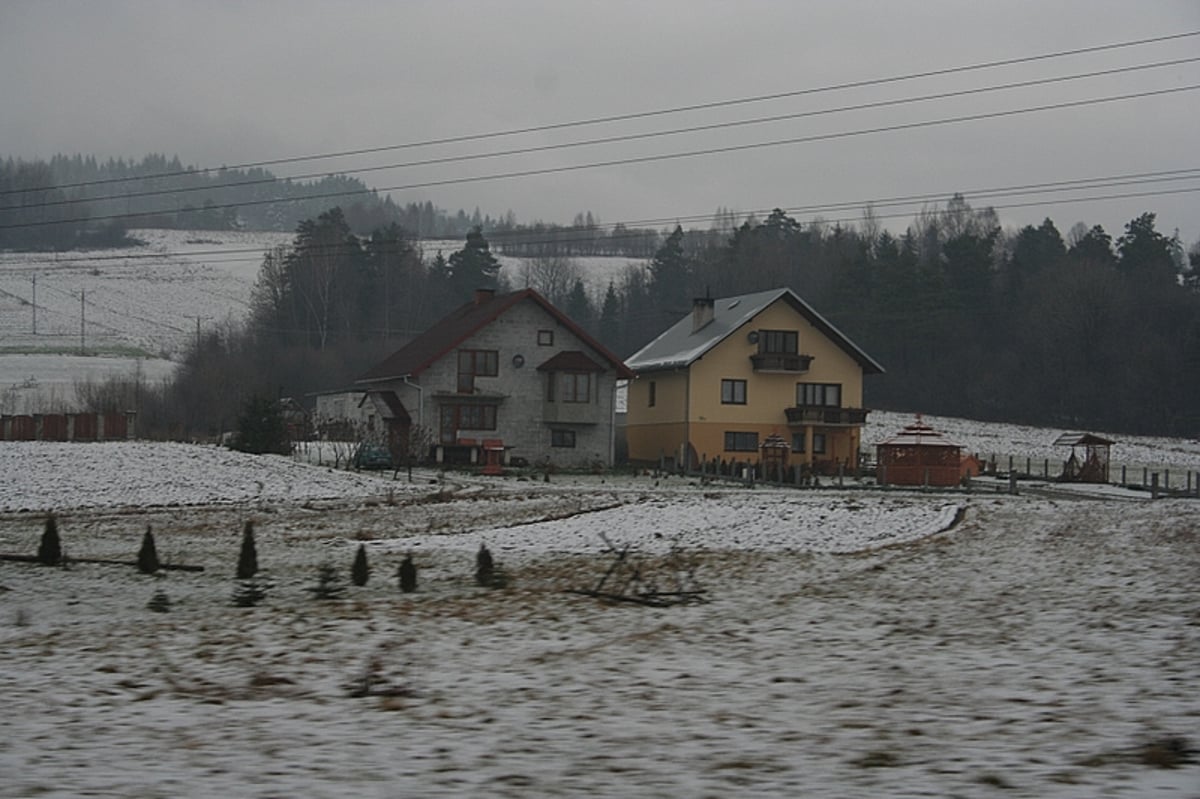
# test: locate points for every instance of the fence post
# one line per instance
(1154, 486)
(1012, 482)
(1046, 468)
(1010, 464)
(1145, 476)
(1123, 481)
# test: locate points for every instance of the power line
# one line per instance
(613, 139)
(647, 114)
(667, 156)
(637, 228)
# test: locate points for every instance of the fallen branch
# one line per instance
(179, 567)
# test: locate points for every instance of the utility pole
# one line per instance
(82, 321)
(35, 305)
(198, 318)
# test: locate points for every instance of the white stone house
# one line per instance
(508, 372)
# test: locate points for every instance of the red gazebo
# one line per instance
(919, 455)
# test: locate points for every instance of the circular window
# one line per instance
(518, 361)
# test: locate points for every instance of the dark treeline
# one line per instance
(324, 309)
(77, 200)
(968, 320)
(1081, 331)
(1074, 331)
(73, 201)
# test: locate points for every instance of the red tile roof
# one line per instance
(462, 323)
(570, 361)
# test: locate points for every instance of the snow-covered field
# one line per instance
(138, 308)
(1021, 442)
(852, 643)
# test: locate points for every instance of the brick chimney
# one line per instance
(483, 296)
(702, 312)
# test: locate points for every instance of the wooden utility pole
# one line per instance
(82, 322)
(35, 305)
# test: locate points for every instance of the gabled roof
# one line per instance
(1082, 439)
(460, 324)
(570, 361)
(919, 434)
(679, 347)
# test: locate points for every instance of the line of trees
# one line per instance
(1074, 331)
(968, 319)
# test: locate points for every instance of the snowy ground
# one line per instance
(139, 308)
(854, 644)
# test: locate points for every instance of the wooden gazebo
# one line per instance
(919, 455)
(1093, 467)
(775, 451)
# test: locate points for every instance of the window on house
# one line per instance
(798, 443)
(573, 387)
(741, 442)
(545, 338)
(466, 417)
(778, 342)
(473, 364)
(819, 394)
(562, 438)
(652, 393)
(818, 443)
(733, 392)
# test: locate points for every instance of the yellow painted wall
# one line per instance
(652, 430)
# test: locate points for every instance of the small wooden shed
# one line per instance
(919, 455)
(1093, 466)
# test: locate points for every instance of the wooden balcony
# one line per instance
(826, 417)
(781, 362)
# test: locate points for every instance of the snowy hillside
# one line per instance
(850, 644)
(147, 298)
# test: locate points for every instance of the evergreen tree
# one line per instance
(50, 549)
(147, 559)
(1093, 248)
(261, 428)
(359, 572)
(485, 566)
(473, 267)
(248, 558)
(670, 276)
(408, 574)
(579, 308)
(610, 322)
(1147, 253)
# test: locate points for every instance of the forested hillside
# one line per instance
(1080, 330)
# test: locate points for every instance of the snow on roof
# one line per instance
(679, 346)
(1081, 439)
(919, 434)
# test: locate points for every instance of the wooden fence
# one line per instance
(68, 427)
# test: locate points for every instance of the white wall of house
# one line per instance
(343, 406)
(524, 418)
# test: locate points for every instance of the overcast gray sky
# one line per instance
(223, 82)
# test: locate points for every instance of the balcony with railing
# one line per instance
(781, 362)
(829, 417)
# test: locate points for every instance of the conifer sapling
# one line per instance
(147, 560)
(359, 572)
(50, 549)
(248, 559)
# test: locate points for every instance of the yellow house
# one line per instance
(742, 372)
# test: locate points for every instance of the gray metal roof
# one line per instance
(678, 347)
